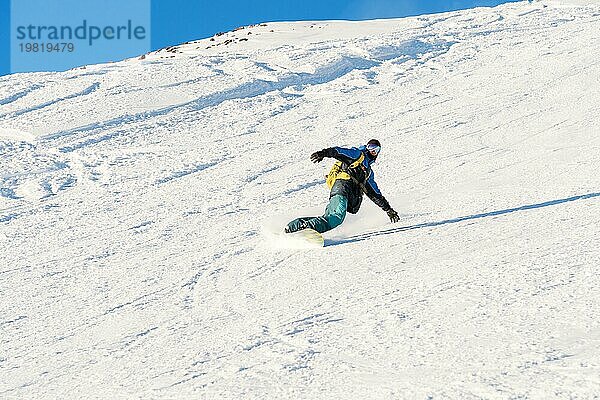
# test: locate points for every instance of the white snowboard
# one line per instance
(304, 239)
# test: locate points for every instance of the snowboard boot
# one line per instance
(296, 225)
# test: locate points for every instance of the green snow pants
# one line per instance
(335, 212)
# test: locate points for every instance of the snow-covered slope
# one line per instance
(133, 195)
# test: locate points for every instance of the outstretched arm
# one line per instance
(373, 192)
(339, 153)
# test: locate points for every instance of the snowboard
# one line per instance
(310, 236)
(304, 239)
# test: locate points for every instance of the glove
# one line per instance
(317, 156)
(393, 215)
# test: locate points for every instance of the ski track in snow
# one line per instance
(18, 95)
(84, 92)
(133, 196)
(260, 87)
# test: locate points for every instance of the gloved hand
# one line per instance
(393, 215)
(317, 156)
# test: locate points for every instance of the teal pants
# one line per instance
(335, 212)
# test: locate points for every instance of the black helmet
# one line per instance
(373, 148)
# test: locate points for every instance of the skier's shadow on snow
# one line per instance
(365, 236)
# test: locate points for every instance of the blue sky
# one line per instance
(177, 21)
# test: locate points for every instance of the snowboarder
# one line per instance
(349, 178)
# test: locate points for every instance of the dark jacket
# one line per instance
(362, 179)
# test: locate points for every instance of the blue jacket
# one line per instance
(362, 178)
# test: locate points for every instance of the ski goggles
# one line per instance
(373, 149)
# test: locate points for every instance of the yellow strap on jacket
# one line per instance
(336, 171)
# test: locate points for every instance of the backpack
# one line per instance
(331, 177)
(339, 172)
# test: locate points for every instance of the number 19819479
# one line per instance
(46, 47)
